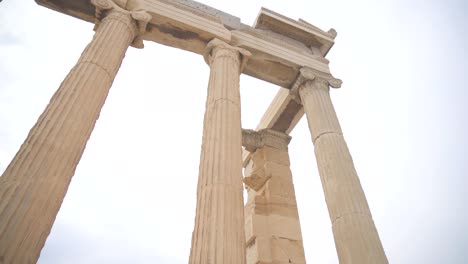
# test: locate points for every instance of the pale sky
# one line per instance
(132, 200)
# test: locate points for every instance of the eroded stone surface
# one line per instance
(273, 231)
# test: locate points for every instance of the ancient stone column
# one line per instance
(218, 236)
(272, 227)
(356, 237)
(33, 186)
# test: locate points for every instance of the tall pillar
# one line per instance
(33, 186)
(218, 236)
(272, 227)
(356, 237)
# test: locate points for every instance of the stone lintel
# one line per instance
(252, 140)
(82, 9)
(183, 24)
(275, 58)
(282, 115)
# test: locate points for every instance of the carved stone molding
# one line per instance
(252, 140)
(332, 32)
(141, 17)
(217, 47)
(318, 80)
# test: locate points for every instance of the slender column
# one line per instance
(218, 236)
(272, 227)
(356, 237)
(33, 186)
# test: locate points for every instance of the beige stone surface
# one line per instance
(282, 115)
(356, 237)
(218, 236)
(286, 52)
(33, 186)
(272, 227)
(299, 30)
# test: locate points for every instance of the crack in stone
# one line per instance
(348, 214)
(324, 133)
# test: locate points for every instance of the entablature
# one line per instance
(299, 30)
(280, 46)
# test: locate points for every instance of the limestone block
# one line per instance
(287, 251)
(251, 254)
(272, 220)
(280, 191)
(277, 170)
(257, 176)
(259, 250)
(266, 162)
(274, 155)
(283, 210)
(276, 225)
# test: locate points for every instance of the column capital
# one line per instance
(141, 17)
(316, 78)
(217, 44)
(252, 140)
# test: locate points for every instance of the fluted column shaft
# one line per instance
(34, 185)
(218, 236)
(356, 237)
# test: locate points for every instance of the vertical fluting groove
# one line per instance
(38, 176)
(215, 238)
(41, 122)
(65, 117)
(14, 205)
(61, 186)
(356, 237)
(50, 170)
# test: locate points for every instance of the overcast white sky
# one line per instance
(132, 200)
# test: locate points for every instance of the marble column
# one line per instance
(356, 237)
(218, 236)
(272, 227)
(34, 185)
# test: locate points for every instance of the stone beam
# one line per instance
(276, 59)
(282, 115)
